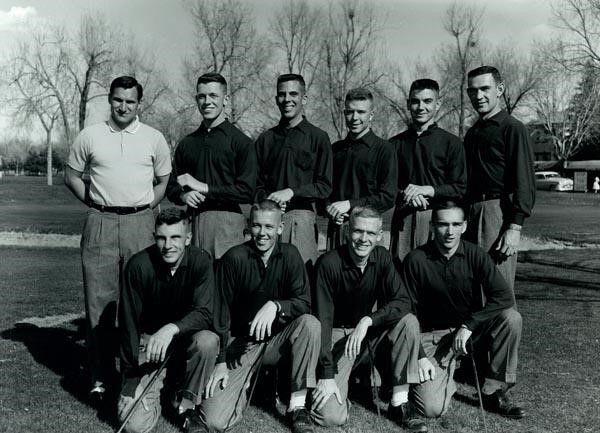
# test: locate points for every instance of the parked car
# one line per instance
(552, 181)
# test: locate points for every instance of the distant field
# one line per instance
(27, 204)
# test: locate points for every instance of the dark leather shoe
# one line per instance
(499, 403)
(406, 416)
(300, 421)
(194, 422)
(97, 393)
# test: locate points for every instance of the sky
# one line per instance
(412, 28)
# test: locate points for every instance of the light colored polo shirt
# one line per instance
(122, 164)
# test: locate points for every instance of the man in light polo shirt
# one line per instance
(123, 156)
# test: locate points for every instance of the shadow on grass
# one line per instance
(58, 349)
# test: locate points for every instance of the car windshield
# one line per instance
(549, 175)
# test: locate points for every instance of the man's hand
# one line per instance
(281, 197)
(355, 339)
(324, 389)
(193, 198)
(509, 241)
(460, 340)
(260, 327)
(419, 202)
(158, 343)
(192, 183)
(338, 209)
(412, 191)
(426, 370)
(219, 377)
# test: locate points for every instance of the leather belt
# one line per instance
(119, 210)
(485, 197)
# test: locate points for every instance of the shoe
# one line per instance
(194, 422)
(300, 421)
(499, 403)
(406, 416)
(97, 393)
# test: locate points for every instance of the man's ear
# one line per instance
(188, 238)
(464, 228)
(500, 88)
(280, 228)
(379, 235)
(226, 100)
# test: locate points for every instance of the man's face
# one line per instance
(211, 100)
(290, 99)
(447, 226)
(265, 227)
(364, 235)
(359, 115)
(124, 106)
(171, 241)
(484, 93)
(423, 106)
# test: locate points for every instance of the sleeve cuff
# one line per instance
(327, 373)
(422, 353)
(129, 386)
(377, 317)
(518, 218)
(286, 309)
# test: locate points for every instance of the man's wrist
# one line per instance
(277, 305)
(515, 227)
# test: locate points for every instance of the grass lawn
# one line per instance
(42, 378)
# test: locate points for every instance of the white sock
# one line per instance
(185, 405)
(399, 395)
(297, 400)
(490, 386)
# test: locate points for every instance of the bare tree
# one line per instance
(296, 30)
(521, 74)
(227, 42)
(463, 23)
(568, 111)
(578, 42)
(349, 51)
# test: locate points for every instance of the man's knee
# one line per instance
(216, 424)
(205, 343)
(309, 324)
(512, 318)
(332, 414)
(143, 420)
(406, 329)
(433, 408)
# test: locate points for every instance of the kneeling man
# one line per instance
(461, 300)
(263, 301)
(350, 281)
(166, 305)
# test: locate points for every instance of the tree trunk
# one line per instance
(49, 158)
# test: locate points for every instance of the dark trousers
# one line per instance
(409, 232)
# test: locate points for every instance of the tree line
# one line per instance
(54, 76)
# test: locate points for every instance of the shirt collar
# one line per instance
(254, 253)
(368, 139)
(430, 129)
(223, 126)
(303, 126)
(132, 128)
(433, 252)
(497, 118)
(347, 261)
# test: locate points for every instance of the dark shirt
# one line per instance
(435, 158)
(344, 295)
(447, 293)
(364, 172)
(224, 158)
(500, 162)
(245, 285)
(298, 158)
(151, 298)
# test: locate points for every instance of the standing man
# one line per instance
(166, 306)
(364, 167)
(263, 303)
(124, 157)
(294, 167)
(214, 172)
(501, 183)
(350, 281)
(431, 168)
(445, 278)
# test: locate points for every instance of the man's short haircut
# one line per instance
(482, 70)
(212, 77)
(447, 204)
(424, 84)
(170, 216)
(359, 94)
(265, 205)
(127, 82)
(364, 212)
(292, 77)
